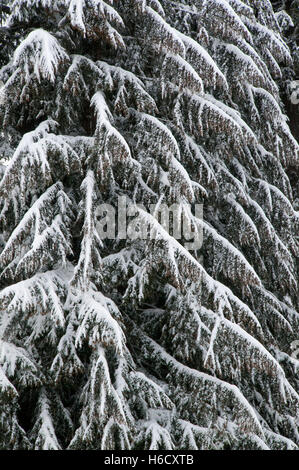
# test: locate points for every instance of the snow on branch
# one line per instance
(224, 23)
(178, 71)
(18, 366)
(29, 300)
(228, 259)
(162, 34)
(41, 54)
(203, 63)
(92, 18)
(230, 402)
(153, 436)
(40, 157)
(22, 11)
(113, 141)
(269, 40)
(103, 410)
(43, 232)
(96, 323)
(131, 92)
(43, 430)
(90, 258)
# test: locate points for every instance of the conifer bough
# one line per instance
(137, 344)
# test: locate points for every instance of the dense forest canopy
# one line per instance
(131, 343)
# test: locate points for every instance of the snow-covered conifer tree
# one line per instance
(130, 343)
